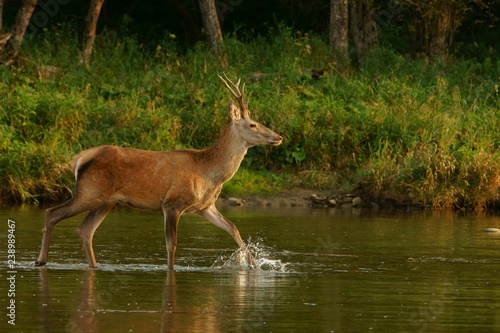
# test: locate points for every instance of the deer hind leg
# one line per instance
(216, 218)
(172, 216)
(53, 216)
(87, 229)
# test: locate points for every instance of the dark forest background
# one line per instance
(401, 25)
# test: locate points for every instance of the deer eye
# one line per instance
(253, 125)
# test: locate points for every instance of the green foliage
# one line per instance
(252, 182)
(424, 130)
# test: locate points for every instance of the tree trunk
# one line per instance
(441, 36)
(212, 26)
(363, 27)
(1, 14)
(339, 18)
(435, 23)
(89, 33)
(13, 44)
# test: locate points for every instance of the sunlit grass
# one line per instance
(425, 130)
(249, 182)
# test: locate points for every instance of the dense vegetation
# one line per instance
(395, 127)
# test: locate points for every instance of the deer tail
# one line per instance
(83, 160)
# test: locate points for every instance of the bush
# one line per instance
(426, 131)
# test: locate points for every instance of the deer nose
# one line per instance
(278, 141)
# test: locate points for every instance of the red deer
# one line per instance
(175, 182)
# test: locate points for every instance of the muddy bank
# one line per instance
(319, 199)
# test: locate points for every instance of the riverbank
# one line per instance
(317, 199)
(321, 199)
(394, 130)
(328, 200)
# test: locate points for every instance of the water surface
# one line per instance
(320, 270)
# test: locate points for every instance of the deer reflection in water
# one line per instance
(109, 301)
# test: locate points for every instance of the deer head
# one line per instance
(250, 130)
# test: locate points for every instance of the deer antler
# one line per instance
(236, 92)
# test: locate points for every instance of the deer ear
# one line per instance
(234, 111)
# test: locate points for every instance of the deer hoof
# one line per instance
(39, 263)
(251, 262)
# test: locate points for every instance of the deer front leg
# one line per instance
(172, 216)
(213, 215)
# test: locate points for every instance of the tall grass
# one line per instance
(396, 127)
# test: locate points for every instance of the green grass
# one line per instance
(251, 182)
(425, 131)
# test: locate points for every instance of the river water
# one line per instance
(319, 271)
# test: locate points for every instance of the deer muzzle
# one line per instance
(277, 141)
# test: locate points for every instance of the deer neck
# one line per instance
(222, 160)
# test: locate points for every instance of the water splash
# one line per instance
(261, 253)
